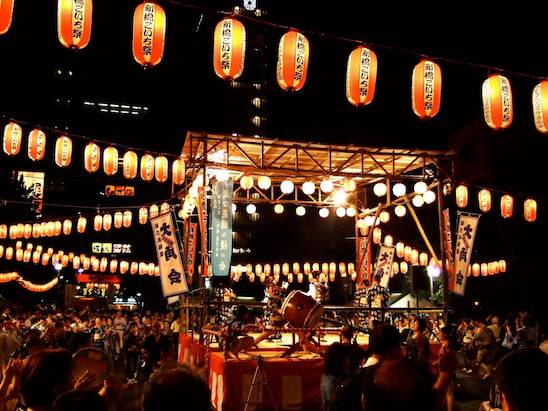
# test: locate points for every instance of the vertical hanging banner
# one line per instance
(361, 258)
(202, 221)
(170, 260)
(220, 223)
(467, 226)
(383, 267)
(190, 236)
(448, 264)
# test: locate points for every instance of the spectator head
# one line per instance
(522, 378)
(166, 391)
(365, 282)
(495, 320)
(449, 334)
(377, 279)
(384, 341)
(399, 385)
(337, 359)
(46, 375)
(80, 400)
(347, 333)
(418, 324)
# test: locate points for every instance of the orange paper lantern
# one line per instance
(506, 206)
(540, 106)
(143, 215)
(74, 22)
(530, 210)
(229, 49)
(12, 138)
(107, 222)
(426, 89)
(149, 31)
(126, 222)
(3, 231)
(497, 102)
(361, 76)
(484, 200)
(161, 167)
(147, 167)
(63, 151)
(98, 222)
(67, 227)
(178, 172)
(292, 61)
(81, 225)
(130, 162)
(36, 145)
(118, 219)
(110, 161)
(92, 158)
(461, 196)
(6, 14)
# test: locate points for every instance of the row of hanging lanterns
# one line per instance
(150, 167)
(37, 288)
(74, 24)
(506, 203)
(247, 182)
(301, 210)
(486, 269)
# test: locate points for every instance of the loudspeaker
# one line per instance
(419, 279)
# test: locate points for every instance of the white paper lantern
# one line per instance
(300, 210)
(399, 189)
(341, 211)
(350, 212)
(326, 186)
(420, 187)
(251, 209)
(379, 189)
(418, 201)
(264, 182)
(324, 212)
(400, 210)
(429, 197)
(278, 208)
(287, 186)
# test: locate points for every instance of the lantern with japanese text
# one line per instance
(153, 211)
(143, 215)
(361, 76)
(415, 257)
(19, 254)
(67, 227)
(98, 222)
(113, 266)
(12, 139)
(134, 267)
(388, 241)
(129, 164)
(50, 228)
(540, 106)
(143, 268)
(164, 208)
(476, 270)
(81, 225)
(103, 264)
(92, 158)
(151, 268)
(377, 235)
(530, 210)
(36, 148)
(400, 247)
(149, 31)
(395, 269)
(35, 230)
(126, 219)
(229, 49)
(118, 219)
(484, 200)
(36, 257)
(63, 151)
(74, 22)
(44, 260)
(407, 253)
(497, 102)
(178, 171)
(76, 262)
(107, 222)
(9, 253)
(147, 167)
(502, 266)
(124, 267)
(110, 161)
(27, 231)
(6, 14)
(404, 267)
(506, 206)
(426, 89)
(423, 259)
(161, 169)
(484, 269)
(292, 61)
(461, 196)
(57, 228)
(3, 231)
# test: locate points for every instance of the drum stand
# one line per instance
(259, 378)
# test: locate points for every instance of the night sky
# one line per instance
(183, 93)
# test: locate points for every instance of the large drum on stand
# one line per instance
(301, 310)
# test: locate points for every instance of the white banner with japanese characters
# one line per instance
(466, 233)
(383, 267)
(170, 261)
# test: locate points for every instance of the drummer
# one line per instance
(274, 298)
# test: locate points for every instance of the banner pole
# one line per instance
(443, 257)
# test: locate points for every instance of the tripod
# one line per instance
(259, 378)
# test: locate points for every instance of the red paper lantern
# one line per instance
(292, 61)
(12, 138)
(178, 172)
(497, 102)
(461, 196)
(229, 49)
(506, 206)
(63, 151)
(530, 210)
(147, 167)
(361, 76)
(74, 22)
(484, 200)
(130, 162)
(6, 14)
(36, 145)
(426, 89)
(92, 158)
(161, 169)
(110, 161)
(540, 106)
(149, 31)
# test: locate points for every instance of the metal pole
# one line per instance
(442, 253)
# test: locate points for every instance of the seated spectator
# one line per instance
(522, 379)
(80, 400)
(180, 388)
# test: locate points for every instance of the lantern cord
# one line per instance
(267, 23)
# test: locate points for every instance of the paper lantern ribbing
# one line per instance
(497, 102)
(36, 148)
(63, 151)
(426, 89)
(129, 164)
(147, 167)
(461, 196)
(361, 76)
(12, 138)
(149, 30)
(178, 171)
(74, 19)
(110, 161)
(484, 200)
(6, 14)
(540, 106)
(506, 206)
(229, 49)
(530, 210)
(92, 158)
(161, 169)
(292, 61)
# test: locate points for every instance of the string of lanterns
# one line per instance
(60, 259)
(74, 27)
(487, 269)
(36, 288)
